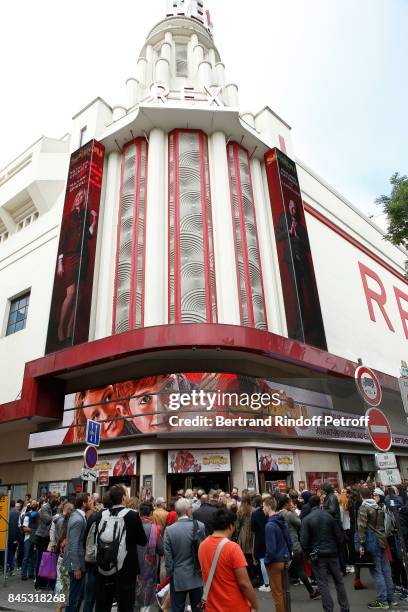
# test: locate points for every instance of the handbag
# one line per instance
(211, 573)
(48, 566)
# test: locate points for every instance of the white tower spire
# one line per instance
(188, 8)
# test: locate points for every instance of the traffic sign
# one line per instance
(88, 474)
(93, 433)
(90, 457)
(389, 477)
(385, 460)
(368, 385)
(379, 429)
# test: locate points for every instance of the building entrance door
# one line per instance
(206, 481)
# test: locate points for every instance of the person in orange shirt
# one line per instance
(231, 589)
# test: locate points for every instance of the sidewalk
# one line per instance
(300, 600)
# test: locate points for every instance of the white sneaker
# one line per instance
(265, 588)
(350, 569)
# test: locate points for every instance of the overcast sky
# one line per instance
(335, 70)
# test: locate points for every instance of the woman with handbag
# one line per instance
(149, 559)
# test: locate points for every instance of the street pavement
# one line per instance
(300, 599)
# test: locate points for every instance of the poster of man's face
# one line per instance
(71, 298)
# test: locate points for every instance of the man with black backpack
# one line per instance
(181, 542)
(118, 534)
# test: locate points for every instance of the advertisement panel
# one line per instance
(301, 298)
(71, 298)
(4, 507)
(117, 465)
(315, 480)
(207, 403)
(193, 461)
(275, 461)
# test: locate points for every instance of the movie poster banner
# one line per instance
(301, 298)
(275, 461)
(194, 461)
(71, 298)
(208, 404)
(117, 465)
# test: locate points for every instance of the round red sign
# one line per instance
(368, 385)
(90, 457)
(379, 429)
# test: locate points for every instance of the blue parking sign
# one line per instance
(93, 433)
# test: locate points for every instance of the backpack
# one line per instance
(90, 545)
(111, 542)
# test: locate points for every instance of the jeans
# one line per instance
(322, 568)
(29, 560)
(381, 573)
(298, 568)
(11, 553)
(264, 572)
(109, 587)
(275, 573)
(178, 598)
(76, 592)
(90, 589)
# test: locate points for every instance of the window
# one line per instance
(18, 314)
(3, 237)
(181, 60)
(27, 221)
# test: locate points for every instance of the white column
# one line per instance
(280, 316)
(227, 290)
(205, 74)
(132, 87)
(163, 71)
(231, 91)
(142, 71)
(106, 279)
(154, 464)
(165, 51)
(211, 57)
(155, 307)
(266, 247)
(198, 56)
(220, 72)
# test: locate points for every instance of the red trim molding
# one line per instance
(43, 393)
(317, 215)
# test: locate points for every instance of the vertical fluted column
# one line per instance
(132, 88)
(220, 72)
(107, 260)
(155, 306)
(227, 290)
(142, 71)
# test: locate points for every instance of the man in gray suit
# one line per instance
(74, 554)
(181, 542)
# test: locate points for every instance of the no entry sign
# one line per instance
(368, 385)
(379, 429)
(90, 457)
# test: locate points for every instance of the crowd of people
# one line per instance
(211, 550)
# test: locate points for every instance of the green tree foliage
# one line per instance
(396, 207)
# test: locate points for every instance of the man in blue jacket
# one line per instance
(278, 552)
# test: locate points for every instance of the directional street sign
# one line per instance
(88, 474)
(90, 457)
(93, 433)
(379, 429)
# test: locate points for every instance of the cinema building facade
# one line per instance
(175, 249)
